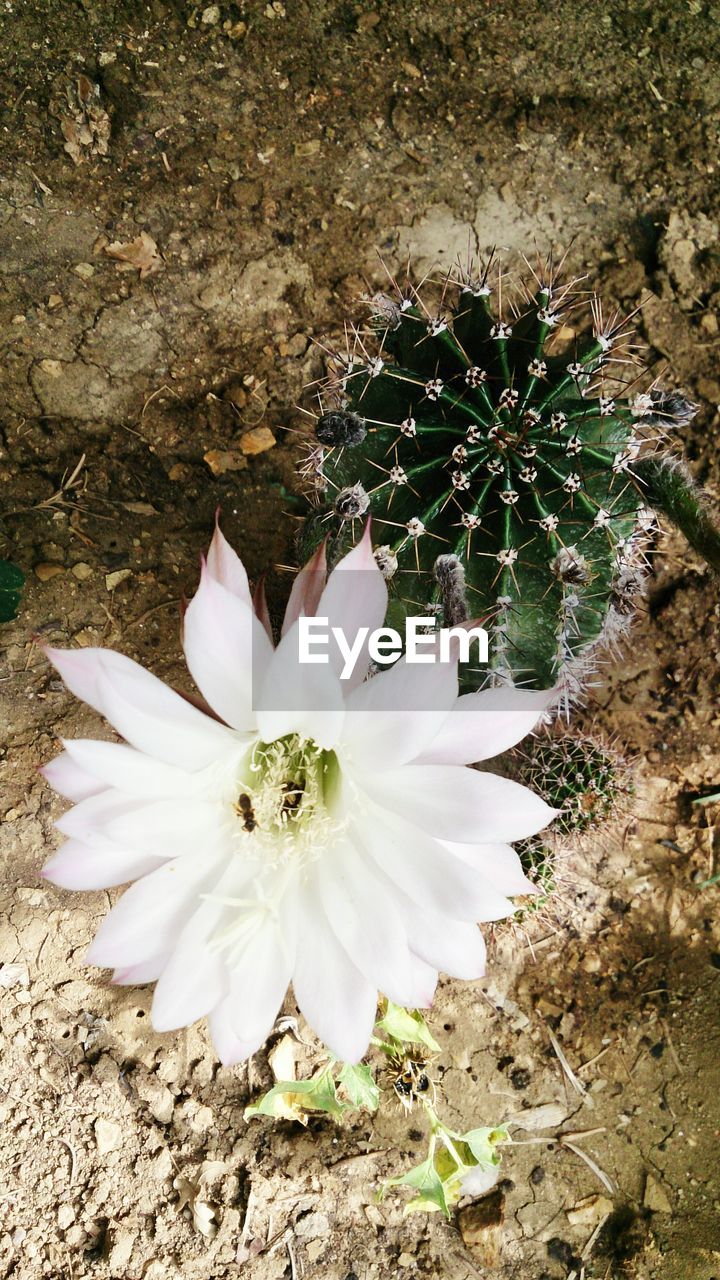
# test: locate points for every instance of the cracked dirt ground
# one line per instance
(269, 150)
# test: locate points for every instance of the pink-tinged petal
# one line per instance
(144, 711)
(298, 697)
(81, 866)
(69, 779)
(332, 995)
(307, 588)
(455, 803)
(392, 716)
(498, 863)
(355, 597)
(137, 975)
(261, 611)
(148, 918)
(227, 569)
(112, 764)
(486, 723)
(425, 980)
(424, 869)
(229, 1047)
(227, 649)
(366, 923)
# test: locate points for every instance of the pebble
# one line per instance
(211, 15)
(257, 440)
(481, 1226)
(45, 571)
(312, 1226)
(222, 460)
(108, 1135)
(85, 270)
(656, 1198)
(81, 570)
(113, 580)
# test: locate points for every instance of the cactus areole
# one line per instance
(492, 439)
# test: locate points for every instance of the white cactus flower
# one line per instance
(302, 830)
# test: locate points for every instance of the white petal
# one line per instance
(355, 597)
(258, 983)
(393, 716)
(456, 803)
(227, 651)
(148, 918)
(366, 923)
(229, 1047)
(112, 764)
(450, 946)
(497, 863)
(425, 870)
(82, 866)
(307, 588)
(227, 568)
(165, 828)
(334, 998)
(486, 723)
(151, 716)
(137, 975)
(69, 779)
(299, 697)
(195, 978)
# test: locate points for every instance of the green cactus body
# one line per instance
(584, 777)
(467, 435)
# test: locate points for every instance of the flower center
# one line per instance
(284, 794)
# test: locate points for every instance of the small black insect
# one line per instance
(245, 810)
(292, 795)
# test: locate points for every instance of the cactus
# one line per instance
(581, 775)
(497, 468)
(12, 580)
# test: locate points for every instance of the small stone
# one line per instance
(45, 571)
(81, 570)
(590, 1211)
(257, 440)
(14, 975)
(315, 1249)
(53, 368)
(107, 58)
(179, 471)
(481, 1225)
(222, 460)
(211, 15)
(306, 149)
(312, 1226)
(85, 270)
(108, 1135)
(113, 580)
(119, 1245)
(66, 1216)
(656, 1198)
(406, 1260)
(55, 300)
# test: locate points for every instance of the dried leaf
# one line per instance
(140, 254)
(203, 1214)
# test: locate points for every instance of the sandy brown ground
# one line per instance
(269, 150)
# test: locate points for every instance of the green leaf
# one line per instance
(289, 1098)
(424, 1179)
(407, 1026)
(360, 1087)
(482, 1144)
(12, 580)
